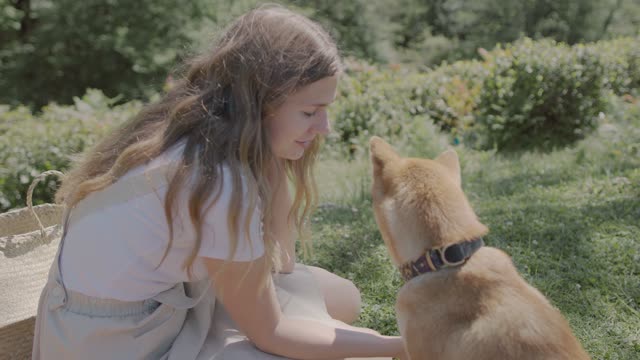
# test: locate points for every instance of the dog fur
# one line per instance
(482, 310)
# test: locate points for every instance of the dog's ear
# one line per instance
(450, 161)
(381, 154)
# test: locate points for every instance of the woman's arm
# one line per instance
(313, 339)
(256, 312)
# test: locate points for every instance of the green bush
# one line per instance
(380, 100)
(390, 101)
(369, 103)
(33, 144)
(531, 94)
(448, 94)
(540, 95)
(621, 61)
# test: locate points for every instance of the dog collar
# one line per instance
(438, 258)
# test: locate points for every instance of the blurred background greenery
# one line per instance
(54, 50)
(539, 98)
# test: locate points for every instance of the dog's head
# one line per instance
(419, 203)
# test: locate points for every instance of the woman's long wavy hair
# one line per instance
(218, 108)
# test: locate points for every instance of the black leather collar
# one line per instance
(439, 258)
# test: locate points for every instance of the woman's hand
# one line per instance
(403, 355)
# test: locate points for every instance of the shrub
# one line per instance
(369, 103)
(530, 94)
(448, 94)
(33, 144)
(379, 100)
(540, 95)
(621, 61)
(399, 103)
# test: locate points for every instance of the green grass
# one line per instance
(570, 219)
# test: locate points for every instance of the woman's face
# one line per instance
(293, 125)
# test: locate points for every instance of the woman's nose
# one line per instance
(322, 126)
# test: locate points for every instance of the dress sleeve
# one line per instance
(216, 238)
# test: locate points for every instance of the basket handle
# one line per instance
(35, 181)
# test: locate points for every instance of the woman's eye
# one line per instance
(309, 114)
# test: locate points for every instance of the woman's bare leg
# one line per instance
(340, 295)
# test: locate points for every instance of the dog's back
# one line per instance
(482, 309)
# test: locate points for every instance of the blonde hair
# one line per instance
(218, 108)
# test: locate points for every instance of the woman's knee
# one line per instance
(352, 304)
(342, 297)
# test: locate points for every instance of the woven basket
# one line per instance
(29, 239)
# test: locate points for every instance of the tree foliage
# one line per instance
(470, 24)
(54, 50)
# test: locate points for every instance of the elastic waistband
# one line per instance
(87, 305)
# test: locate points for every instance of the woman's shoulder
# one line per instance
(229, 176)
(164, 164)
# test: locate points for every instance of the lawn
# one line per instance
(570, 219)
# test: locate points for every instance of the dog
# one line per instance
(461, 299)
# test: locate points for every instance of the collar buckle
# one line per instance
(452, 255)
(432, 260)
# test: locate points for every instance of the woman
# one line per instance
(179, 237)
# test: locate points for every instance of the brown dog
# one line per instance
(461, 300)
